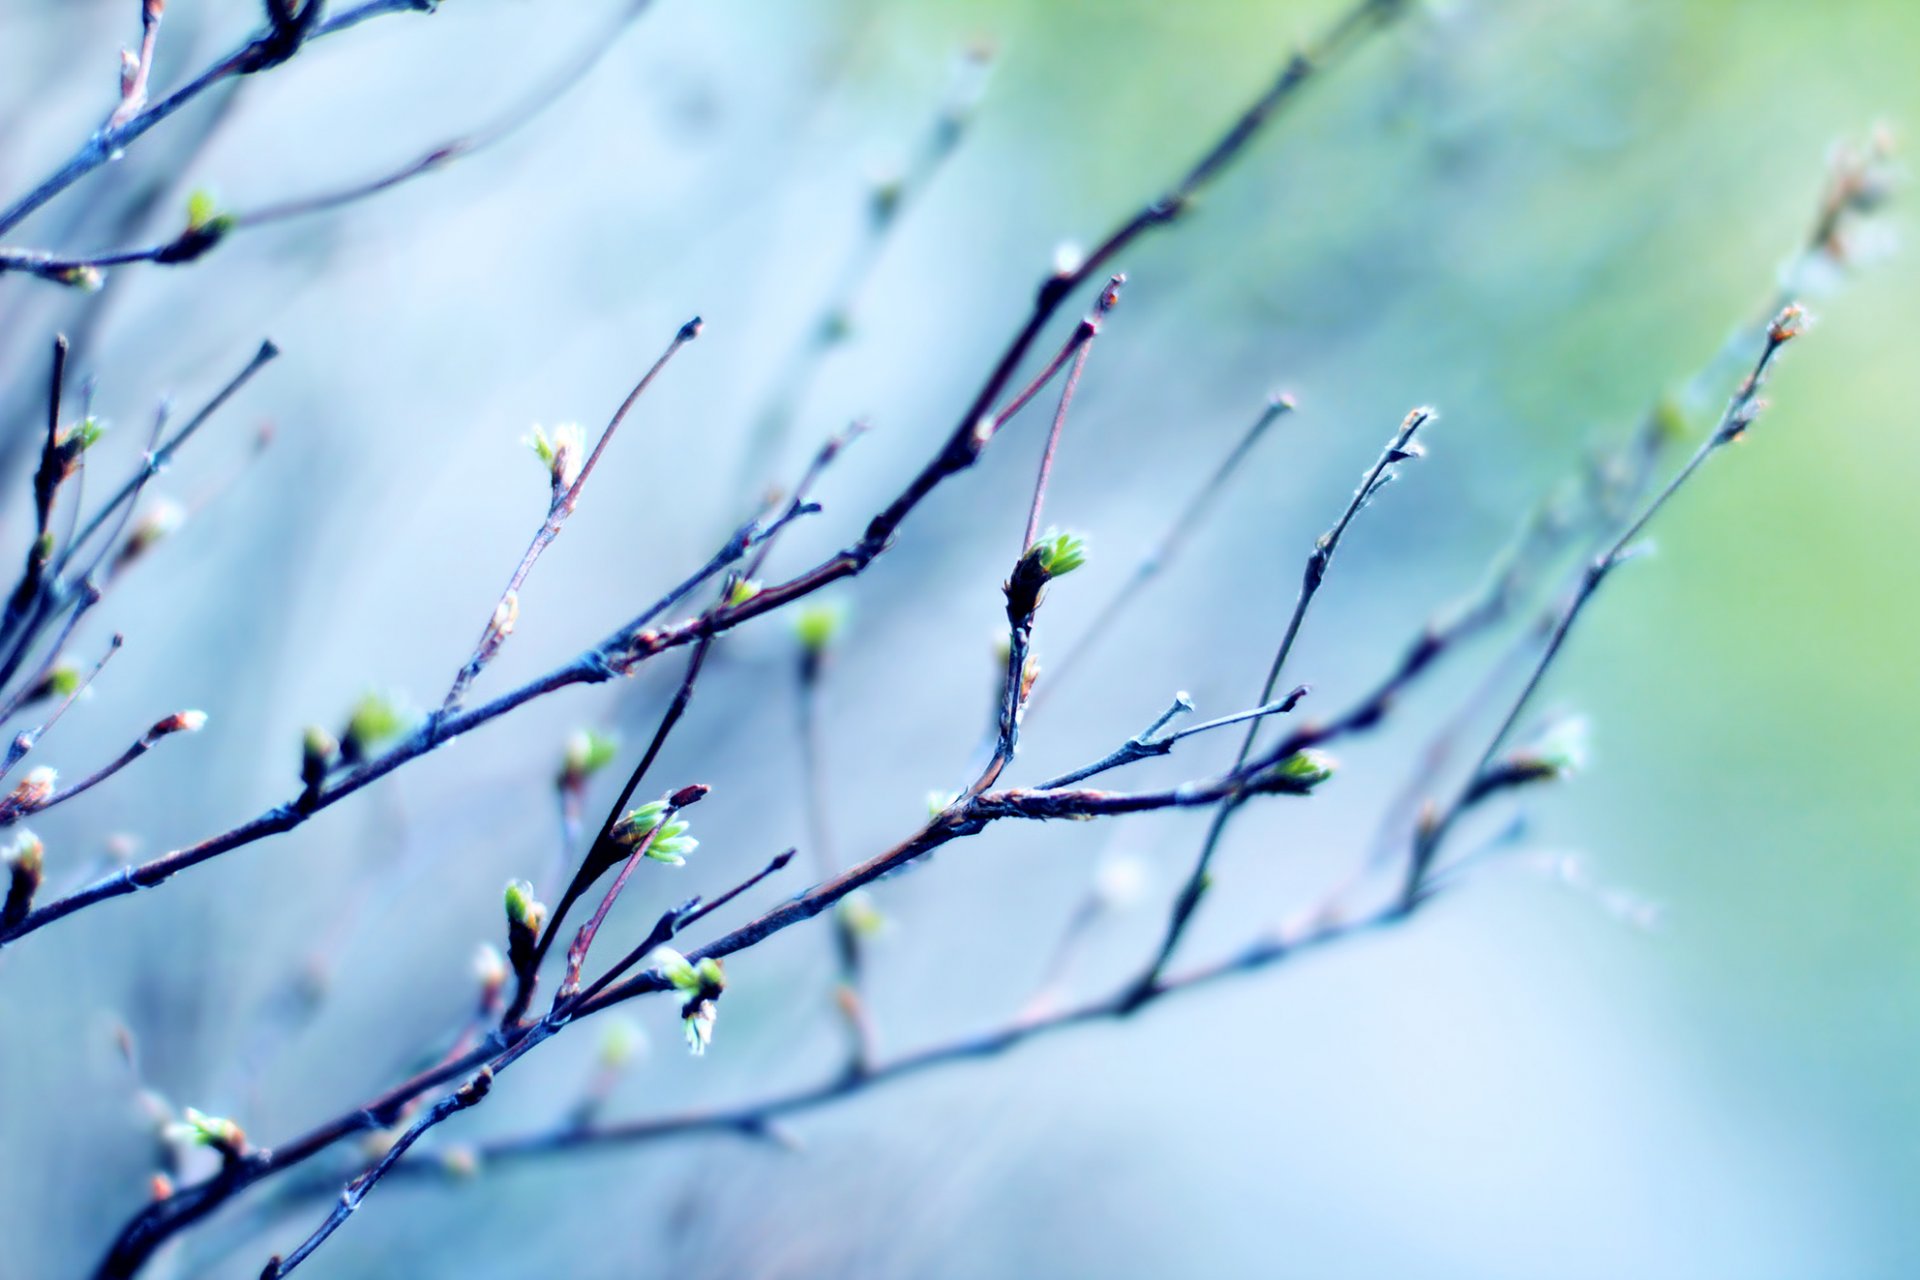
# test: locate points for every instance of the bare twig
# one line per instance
(567, 484)
(1400, 447)
(1742, 409)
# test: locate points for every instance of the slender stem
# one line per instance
(1399, 448)
(111, 141)
(1740, 412)
(565, 499)
(1164, 551)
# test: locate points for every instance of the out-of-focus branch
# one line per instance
(1401, 447)
(202, 235)
(112, 140)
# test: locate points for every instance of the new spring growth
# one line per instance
(375, 719)
(1054, 555)
(699, 986)
(743, 590)
(196, 1128)
(63, 681)
(817, 626)
(562, 453)
(1060, 553)
(1559, 751)
(1297, 775)
(587, 753)
(525, 916)
(206, 227)
(76, 440)
(26, 864)
(671, 844)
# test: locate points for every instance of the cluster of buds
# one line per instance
(26, 864)
(526, 915)
(699, 986)
(670, 844)
(562, 453)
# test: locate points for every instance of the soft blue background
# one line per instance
(1536, 216)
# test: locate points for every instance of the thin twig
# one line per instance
(566, 496)
(1400, 448)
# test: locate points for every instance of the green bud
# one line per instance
(671, 844)
(1059, 553)
(817, 626)
(82, 436)
(196, 1128)
(561, 453)
(675, 968)
(587, 753)
(201, 209)
(859, 916)
(742, 591)
(375, 719)
(1298, 774)
(1669, 420)
(523, 910)
(621, 1043)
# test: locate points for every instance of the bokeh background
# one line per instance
(1538, 217)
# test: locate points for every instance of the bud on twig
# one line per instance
(699, 986)
(817, 626)
(178, 722)
(587, 753)
(26, 864)
(34, 792)
(525, 917)
(670, 845)
(375, 718)
(318, 748)
(563, 452)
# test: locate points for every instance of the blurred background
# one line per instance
(1538, 218)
